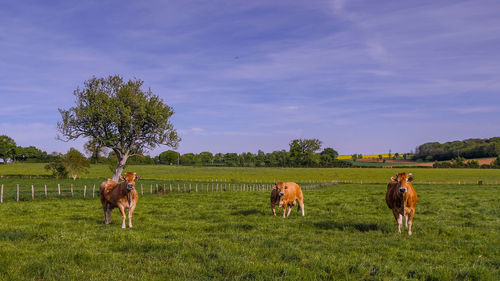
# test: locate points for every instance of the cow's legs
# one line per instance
(412, 213)
(289, 211)
(284, 210)
(130, 212)
(400, 222)
(122, 211)
(274, 211)
(107, 214)
(104, 208)
(301, 204)
(406, 221)
(398, 219)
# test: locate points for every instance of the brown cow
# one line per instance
(401, 198)
(290, 192)
(119, 194)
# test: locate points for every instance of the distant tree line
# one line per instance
(470, 148)
(460, 162)
(301, 153)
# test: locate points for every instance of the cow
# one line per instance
(119, 194)
(401, 198)
(289, 193)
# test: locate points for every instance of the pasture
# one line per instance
(348, 233)
(270, 175)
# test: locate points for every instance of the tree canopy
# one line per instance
(119, 115)
(75, 163)
(7, 148)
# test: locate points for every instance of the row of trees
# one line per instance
(470, 148)
(301, 153)
(460, 162)
(10, 151)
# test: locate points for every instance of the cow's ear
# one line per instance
(410, 178)
(393, 179)
(137, 178)
(122, 178)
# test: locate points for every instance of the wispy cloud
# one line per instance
(254, 74)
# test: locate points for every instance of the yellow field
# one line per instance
(348, 157)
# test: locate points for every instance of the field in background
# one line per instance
(270, 175)
(348, 233)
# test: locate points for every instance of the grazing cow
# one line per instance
(289, 193)
(119, 194)
(401, 198)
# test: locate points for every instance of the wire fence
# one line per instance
(19, 192)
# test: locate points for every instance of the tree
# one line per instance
(75, 163)
(7, 148)
(169, 157)
(302, 152)
(380, 157)
(188, 159)
(396, 155)
(30, 154)
(120, 116)
(331, 152)
(206, 158)
(57, 168)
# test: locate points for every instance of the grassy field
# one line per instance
(374, 175)
(348, 233)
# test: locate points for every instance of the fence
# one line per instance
(92, 191)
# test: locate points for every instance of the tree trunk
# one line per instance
(122, 159)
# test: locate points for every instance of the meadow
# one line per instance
(269, 175)
(348, 233)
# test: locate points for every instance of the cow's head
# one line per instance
(130, 178)
(282, 188)
(403, 180)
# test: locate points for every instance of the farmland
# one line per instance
(348, 231)
(239, 174)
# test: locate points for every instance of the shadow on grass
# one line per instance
(361, 227)
(248, 212)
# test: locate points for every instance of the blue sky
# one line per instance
(361, 76)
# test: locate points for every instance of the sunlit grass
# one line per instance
(348, 233)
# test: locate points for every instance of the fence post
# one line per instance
(196, 187)
(32, 192)
(59, 189)
(17, 197)
(45, 188)
(142, 191)
(184, 187)
(93, 191)
(84, 191)
(189, 187)
(1, 194)
(71, 190)
(170, 187)
(151, 189)
(156, 188)
(178, 188)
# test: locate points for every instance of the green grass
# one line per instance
(374, 175)
(348, 234)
